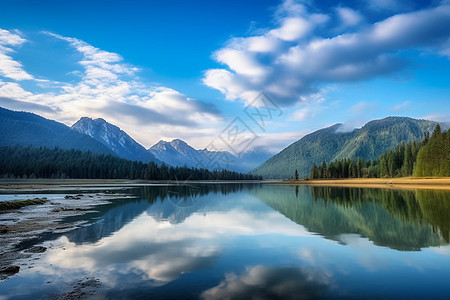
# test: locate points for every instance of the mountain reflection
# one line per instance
(151, 239)
(252, 241)
(173, 203)
(399, 219)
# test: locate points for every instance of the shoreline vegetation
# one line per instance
(441, 183)
(17, 204)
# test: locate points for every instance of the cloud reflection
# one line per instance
(261, 282)
(160, 251)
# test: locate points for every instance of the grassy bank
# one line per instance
(16, 204)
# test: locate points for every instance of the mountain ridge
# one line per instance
(28, 129)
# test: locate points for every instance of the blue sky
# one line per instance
(179, 69)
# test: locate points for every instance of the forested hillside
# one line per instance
(430, 157)
(434, 158)
(331, 144)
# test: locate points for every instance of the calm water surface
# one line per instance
(243, 241)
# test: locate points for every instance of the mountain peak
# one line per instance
(114, 138)
(161, 145)
(179, 144)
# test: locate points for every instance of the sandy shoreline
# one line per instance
(393, 183)
(8, 186)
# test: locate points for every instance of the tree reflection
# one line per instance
(400, 219)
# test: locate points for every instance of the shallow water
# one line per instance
(239, 241)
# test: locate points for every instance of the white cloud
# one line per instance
(297, 56)
(9, 67)
(401, 107)
(352, 124)
(302, 114)
(292, 29)
(362, 108)
(443, 250)
(111, 89)
(438, 117)
(13, 90)
(349, 17)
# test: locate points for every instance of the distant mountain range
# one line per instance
(174, 153)
(99, 136)
(329, 144)
(179, 153)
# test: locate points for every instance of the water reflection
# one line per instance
(251, 241)
(173, 203)
(261, 282)
(155, 240)
(399, 219)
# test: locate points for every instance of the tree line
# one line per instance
(40, 162)
(429, 157)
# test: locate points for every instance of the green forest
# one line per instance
(32, 162)
(430, 157)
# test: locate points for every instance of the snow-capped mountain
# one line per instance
(179, 153)
(114, 138)
(174, 153)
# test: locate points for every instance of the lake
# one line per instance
(244, 241)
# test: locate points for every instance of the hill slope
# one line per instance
(27, 129)
(328, 144)
(114, 138)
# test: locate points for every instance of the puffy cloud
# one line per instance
(9, 67)
(349, 17)
(298, 56)
(261, 282)
(108, 88)
(292, 29)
